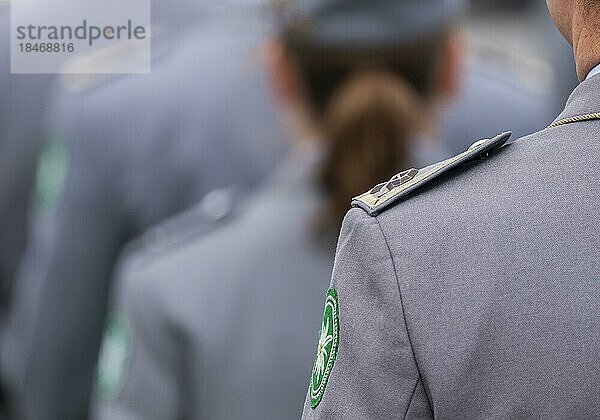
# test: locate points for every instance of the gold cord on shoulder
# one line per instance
(578, 118)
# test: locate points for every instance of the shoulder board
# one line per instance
(404, 183)
(217, 208)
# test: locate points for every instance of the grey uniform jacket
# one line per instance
(23, 104)
(142, 148)
(23, 99)
(476, 296)
(223, 326)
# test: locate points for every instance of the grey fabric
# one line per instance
(26, 111)
(223, 326)
(22, 104)
(478, 296)
(142, 148)
(492, 99)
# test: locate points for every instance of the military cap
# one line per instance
(360, 23)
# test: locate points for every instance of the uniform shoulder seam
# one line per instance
(402, 308)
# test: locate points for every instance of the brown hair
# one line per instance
(368, 103)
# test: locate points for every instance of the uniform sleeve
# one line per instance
(374, 375)
(139, 366)
(70, 272)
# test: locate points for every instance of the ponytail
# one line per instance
(367, 124)
(368, 103)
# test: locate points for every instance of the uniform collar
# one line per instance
(593, 72)
(583, 100)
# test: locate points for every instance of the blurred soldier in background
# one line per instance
(22, 105)
(531, 45)
(23, 101)
(138, 149)
(220, 326)
(474, 114)
(24, 110)
(471, 289)
(514, 76)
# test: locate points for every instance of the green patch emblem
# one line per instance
(114, 357)
(326, 349)
(51, 173)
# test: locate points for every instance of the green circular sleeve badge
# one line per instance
(326, 349)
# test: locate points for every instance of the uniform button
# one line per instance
(478, 144)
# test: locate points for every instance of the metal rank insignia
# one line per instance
(384, 195)
(398, 180)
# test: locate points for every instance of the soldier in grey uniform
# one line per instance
(23, 99)
(469, 289)
(138, 149)
(219, 326)
(472, 115)
(32, 165)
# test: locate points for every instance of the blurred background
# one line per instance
(100, 176)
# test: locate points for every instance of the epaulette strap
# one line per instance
(387, 193)
(216, 208)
